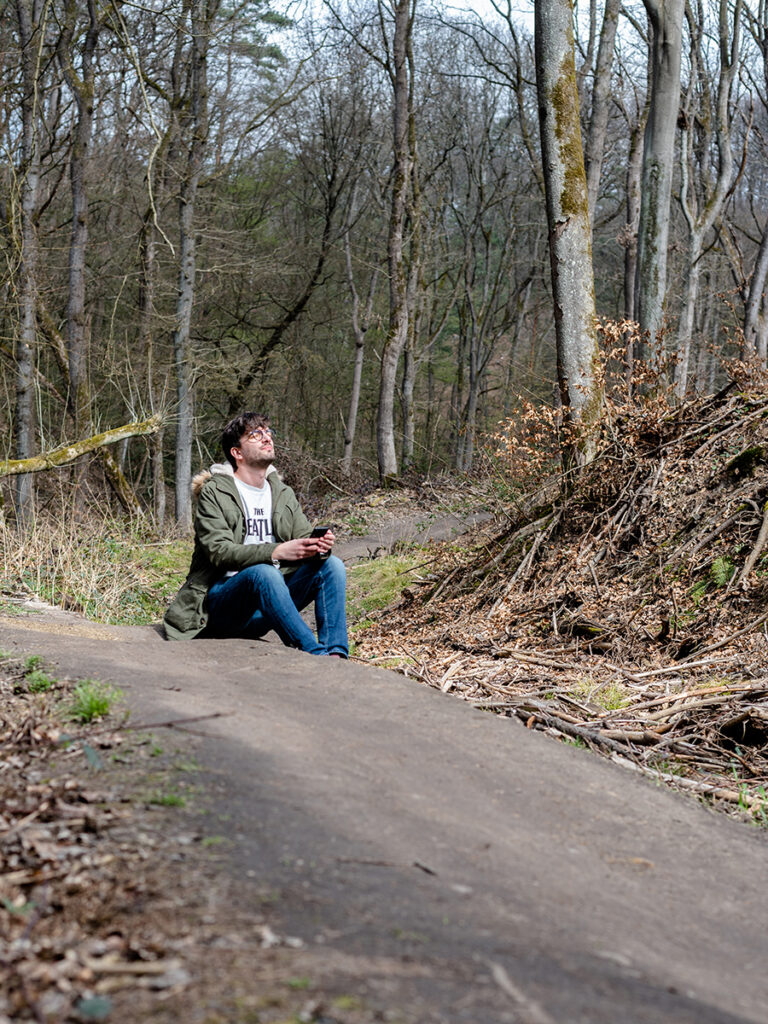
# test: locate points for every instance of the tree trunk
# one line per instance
(713, 197)
(147, 286)
(666, 19)
(634, 190)
(601, 94)
(398, 275)
(81, 82)
(28, 14)
(568, 222)
(182, 355)
(409, 415)
(754, 315)
(359, 330)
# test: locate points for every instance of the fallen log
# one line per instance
(67, 453)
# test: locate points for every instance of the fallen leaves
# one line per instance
(625, 613)
(76, 870)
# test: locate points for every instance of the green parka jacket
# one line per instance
(219, 547)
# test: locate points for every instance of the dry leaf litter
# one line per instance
(625, 609)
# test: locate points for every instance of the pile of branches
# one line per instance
(643, 584)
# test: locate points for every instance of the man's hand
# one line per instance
(326, 542)
(303, 547)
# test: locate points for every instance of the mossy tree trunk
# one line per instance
(68, 453)
(666, 21)
(570, 247)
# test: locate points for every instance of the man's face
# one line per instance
(257, 448)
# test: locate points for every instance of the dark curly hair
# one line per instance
(234, 430)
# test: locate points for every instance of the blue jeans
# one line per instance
(259, 598)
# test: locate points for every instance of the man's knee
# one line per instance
(263, 574)
(334, 569)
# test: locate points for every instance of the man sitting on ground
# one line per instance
(255, 565)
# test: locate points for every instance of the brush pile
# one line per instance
(625, 610)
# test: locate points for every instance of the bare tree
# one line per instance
(601, 95)
(30, 16)
(568, 220)
(666, 19)
(80, 77)
(705, 125)
(400, 70)
(361, 315)
(201, 18)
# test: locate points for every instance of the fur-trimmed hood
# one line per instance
(205, 475)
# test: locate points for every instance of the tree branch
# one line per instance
(67, 453)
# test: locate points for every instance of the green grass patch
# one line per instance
(109, 570)
(92, 699)
(166, 799)
(608, 696)
(208, 841)
(377, 583)
(299, 984)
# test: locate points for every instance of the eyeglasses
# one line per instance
(259, 434)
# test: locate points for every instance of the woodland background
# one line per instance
(212, 205)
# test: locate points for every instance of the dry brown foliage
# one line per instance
(623, 607)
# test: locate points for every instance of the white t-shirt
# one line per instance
(257, 503)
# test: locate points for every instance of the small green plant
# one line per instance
(347, 1003)
(357, 524)
(22, 909)
(760, 806)
(299, 984)
(207, 841)
(169, 799)
(32, 662)
(38, 681)
(721, 570)
(92, 699)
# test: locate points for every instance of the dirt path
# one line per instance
(451, 865)
(428, 862)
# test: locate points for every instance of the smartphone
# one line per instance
(320, 531)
